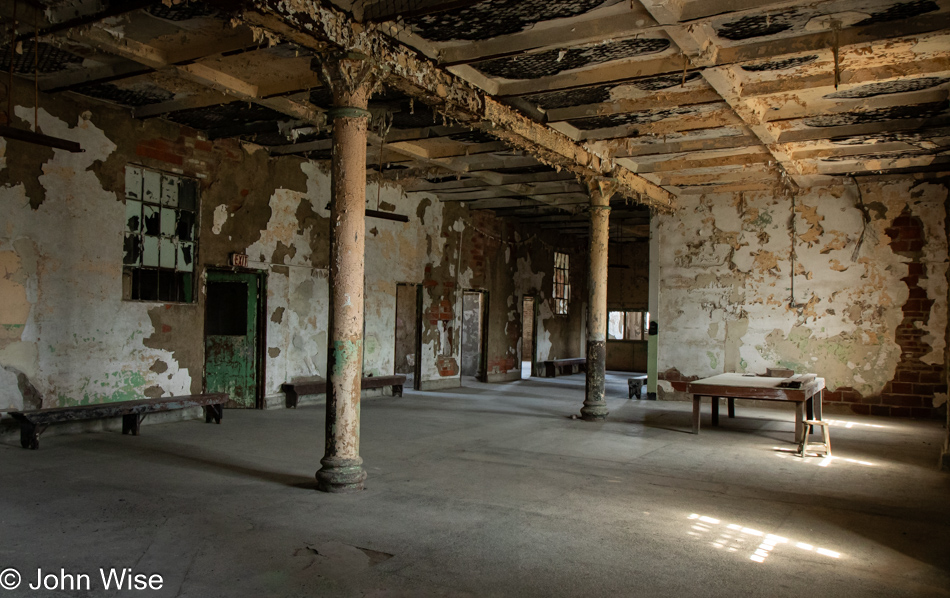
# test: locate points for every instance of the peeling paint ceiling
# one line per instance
(696, 96)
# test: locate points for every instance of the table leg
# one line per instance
(817, 401)
(715, 411)
(799, 418)
(696, 402)
(732, 407)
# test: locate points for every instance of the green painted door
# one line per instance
(231, 339)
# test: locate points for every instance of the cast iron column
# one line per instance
(351, 79)
(595, 403)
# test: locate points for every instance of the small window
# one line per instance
(161, 236)
(562, 283)
(628, 325)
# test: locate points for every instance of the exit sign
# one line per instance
(239, 260)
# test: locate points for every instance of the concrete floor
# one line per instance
(488, 490)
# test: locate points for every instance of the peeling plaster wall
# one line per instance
(558, 336)
(725, 292)
(65, 331)
(66, 335)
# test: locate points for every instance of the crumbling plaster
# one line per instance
(67, 331)
(726, 300)
(78, 342)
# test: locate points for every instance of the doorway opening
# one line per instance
(474, 338)
(528, 335)
(234, 332)
(408, 332)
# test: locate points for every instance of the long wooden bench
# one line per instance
(294, 389)
(555, 366)
(34, 423)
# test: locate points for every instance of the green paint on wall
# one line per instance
(764, 219)
(713, 360)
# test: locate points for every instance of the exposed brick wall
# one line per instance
(910, 393)
(191, 153)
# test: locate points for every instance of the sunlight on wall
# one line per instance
(735, 538)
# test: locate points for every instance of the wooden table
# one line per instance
(742, 386)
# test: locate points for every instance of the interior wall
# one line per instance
(67, 337)
(869, 307)
(558, 336)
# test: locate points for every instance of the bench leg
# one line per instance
(29, 436)
(630, 389)
(130, 424)
(696, 403)
(732, 407)
(639, 390)
(291, 398)
(799, 419)
(214, 412)
(397, 390)
(715, 411)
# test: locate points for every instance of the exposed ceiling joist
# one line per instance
(316, 26)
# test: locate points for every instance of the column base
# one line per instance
(595, 412)
(341, 475)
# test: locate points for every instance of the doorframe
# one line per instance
(416, 333)
(534, 329)
(417, 369)
(481, 374)
(260, 363)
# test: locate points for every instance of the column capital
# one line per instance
(601, 190)
(351, 77)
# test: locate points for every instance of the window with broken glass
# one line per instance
(161, 215)
(562, 283)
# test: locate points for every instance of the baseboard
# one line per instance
(440, 384)
(509, 376)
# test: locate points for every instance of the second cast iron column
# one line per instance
(595, 402)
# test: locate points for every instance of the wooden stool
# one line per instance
(635, 386)
(825, 435)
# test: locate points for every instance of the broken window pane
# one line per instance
(133, 251)
(186, 254)
(170, 191)
(167, 254)
(133, 215)
(152, 186)
(186, 226)
(168, 222)
(150, 251)
(150, 219)
(133, 182)
(187, 194)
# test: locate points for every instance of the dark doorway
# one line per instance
(233, 361)
(528, 334)
(408, 333)
(473, 334)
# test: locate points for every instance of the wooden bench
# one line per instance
(555, 366)
(635, 385)
(317, 386)
(34, 423)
